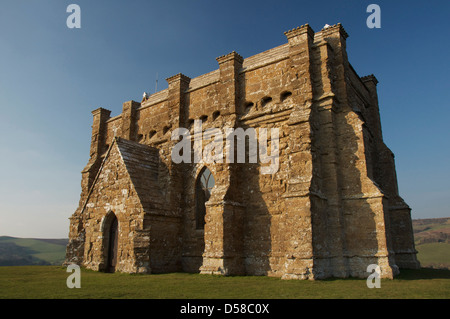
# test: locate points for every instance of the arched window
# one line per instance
(203, 186)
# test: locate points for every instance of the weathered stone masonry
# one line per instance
(332, 208)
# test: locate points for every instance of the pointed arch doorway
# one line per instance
(112, 236)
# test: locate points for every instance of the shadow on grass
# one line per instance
(423, 273)
(405, 274)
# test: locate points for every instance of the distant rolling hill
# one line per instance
(31, 251)
(432, 239)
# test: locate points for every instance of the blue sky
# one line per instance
(52, 77)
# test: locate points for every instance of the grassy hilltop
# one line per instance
(35, 281)
(46, 282)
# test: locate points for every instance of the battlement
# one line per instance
(244, 68)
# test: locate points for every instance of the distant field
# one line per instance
(432, 230)
(23, 282)
(31, 251)
(432, 239)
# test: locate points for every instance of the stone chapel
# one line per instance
(331, 209)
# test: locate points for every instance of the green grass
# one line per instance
(434, 254)
(50, 282)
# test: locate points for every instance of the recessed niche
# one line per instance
(248, 106)
(285, 95)
(265, 100)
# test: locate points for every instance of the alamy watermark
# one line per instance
(373, 281)
(374, 19)
(74, 19)
(190, 148)
(74, 280)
